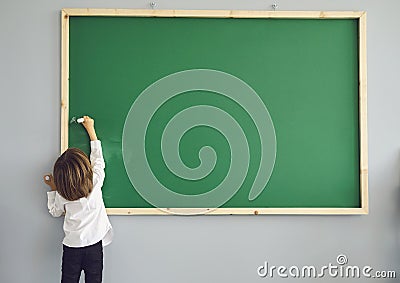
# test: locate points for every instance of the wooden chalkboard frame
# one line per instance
(360, 16)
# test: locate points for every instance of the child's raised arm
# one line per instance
(96, 153)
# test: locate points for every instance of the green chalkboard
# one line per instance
(137, 76)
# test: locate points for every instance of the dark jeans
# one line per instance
(89, 259)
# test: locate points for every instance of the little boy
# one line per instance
(76, 191)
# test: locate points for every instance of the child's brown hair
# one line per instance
(73, 175)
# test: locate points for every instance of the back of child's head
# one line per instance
(73, 175)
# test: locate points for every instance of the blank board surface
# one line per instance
(306, 71)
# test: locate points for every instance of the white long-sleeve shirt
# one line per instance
(86, 221)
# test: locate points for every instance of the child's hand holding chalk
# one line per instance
(88, 123)
(49, 180)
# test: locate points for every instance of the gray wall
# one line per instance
(183, 249)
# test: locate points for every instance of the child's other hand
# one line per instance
(49, 180)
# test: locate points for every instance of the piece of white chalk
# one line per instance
(80, 120)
